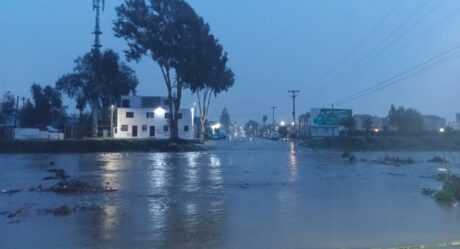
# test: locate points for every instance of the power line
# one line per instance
(367, 62)
(382, 43)
(439, 59)
(421, 34)
(362, 41)
(424, 69)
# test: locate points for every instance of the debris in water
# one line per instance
(438, 159)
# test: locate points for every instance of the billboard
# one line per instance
(337, 117)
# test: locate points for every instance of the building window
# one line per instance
(167, 116)
(124, 128)
(144, 127)
(130, 114)
(185, 127)
(165, 128)
(150, 115)
(125, 103)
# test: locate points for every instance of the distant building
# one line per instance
(376, 122)
(433, 122)
(148, 117)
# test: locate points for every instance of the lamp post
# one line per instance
(112, 108)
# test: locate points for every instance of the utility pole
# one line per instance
(294, 95)
(273, 118)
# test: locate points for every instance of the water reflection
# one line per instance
(293, 170)
(158, 178)
(215, 173)
(191, 172)
(112, 165)
(180, 214)
(158, 171)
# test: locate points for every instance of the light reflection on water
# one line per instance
(278, 195)
(215, 173)
(191, 172)
(293, 170)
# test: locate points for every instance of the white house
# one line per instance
(148, 117)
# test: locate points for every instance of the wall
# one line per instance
(159, 121)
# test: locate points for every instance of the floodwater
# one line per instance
(241, 194)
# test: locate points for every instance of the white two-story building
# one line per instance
(148, 117)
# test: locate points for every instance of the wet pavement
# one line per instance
(241, 194)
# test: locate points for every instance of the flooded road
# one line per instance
(241, 194)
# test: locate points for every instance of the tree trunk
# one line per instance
(202, 128)
(95, 121)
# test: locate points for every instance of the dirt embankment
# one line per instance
(97, 145)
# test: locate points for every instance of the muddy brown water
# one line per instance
(241, 194)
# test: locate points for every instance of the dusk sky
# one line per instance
(273, 46)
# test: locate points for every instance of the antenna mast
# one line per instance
(98, 5)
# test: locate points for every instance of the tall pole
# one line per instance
(293, 96)
(97, 6)
(112, 107)
(273, 118)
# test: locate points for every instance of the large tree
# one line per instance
(171, 34)
(98, 80)
(7, 109)
(46, 109)
(213, 76)
(405, 120)
(225, 119)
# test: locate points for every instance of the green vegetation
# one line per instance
(46, 108)
(176, 38)
(450, 191)
(405, 120)
(7, 108)
(98, 80)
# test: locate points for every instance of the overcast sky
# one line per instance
(273, 46)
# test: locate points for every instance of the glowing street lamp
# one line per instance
(442, 130)
(283, 123)
(159, 111)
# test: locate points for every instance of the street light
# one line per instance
(112, 108)
(283, 123)
(442, 130)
